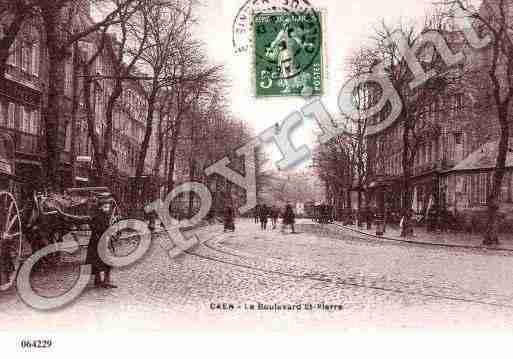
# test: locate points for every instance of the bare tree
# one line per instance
(90, 87)
(132, 30)
(335, 166)
(168, 25)
(197, 79)
(64, 25)
(417, 101)
(494, 19)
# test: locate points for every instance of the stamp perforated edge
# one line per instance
(324, 63)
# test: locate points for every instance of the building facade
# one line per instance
(22, 100)
(455, 157)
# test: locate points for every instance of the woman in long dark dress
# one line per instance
(229, 219)
(264, 217)
(100, 222)
(275, 213)
(289, 218)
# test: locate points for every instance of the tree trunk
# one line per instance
(191, 195)
(192, 166)
(91, 124)
(172, 152)
(53, 110)
(143, 152)
(491, 236)
(109, 114)
(407, 164)
(359, 205)
(172, 159)
(74, 110)
(159, 156)
(139, 170)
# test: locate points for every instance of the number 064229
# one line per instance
(36, 344)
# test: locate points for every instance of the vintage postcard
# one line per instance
(264, 178)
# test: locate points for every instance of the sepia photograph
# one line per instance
(296, 171)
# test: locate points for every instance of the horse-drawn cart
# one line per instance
(57, 215)
(42, 218)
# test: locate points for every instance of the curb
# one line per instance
(431, 244)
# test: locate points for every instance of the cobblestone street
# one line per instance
(362, 283)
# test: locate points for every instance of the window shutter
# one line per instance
(10, 115)
(12, 55)
(23, 119)
(37, 58)
(2, 117)
(24, 56)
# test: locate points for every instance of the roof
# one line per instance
(484, 157)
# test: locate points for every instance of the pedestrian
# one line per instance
(264, 217)
(257, 213)
(275, 213)
(369, 214)
(210, 217)
(229, 219)
(289, 218)
(99, 223)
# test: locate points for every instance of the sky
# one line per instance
(348, 24)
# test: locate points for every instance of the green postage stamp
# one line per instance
(288, 54)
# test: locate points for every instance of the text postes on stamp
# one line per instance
(288, 54)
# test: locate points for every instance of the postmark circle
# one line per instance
(242, 24)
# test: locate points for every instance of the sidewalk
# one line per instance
(447, 239)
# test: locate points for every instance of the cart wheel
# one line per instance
(10, 240)
(115, 217)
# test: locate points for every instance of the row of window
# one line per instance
(133, 102)
(19, 117)
(25, 55)
(452, 146)
(476, 188)
(391, 139)
(450, 105)
(427, 153)
(389, 165)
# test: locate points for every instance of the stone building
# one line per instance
(22, 99)
(456, 156)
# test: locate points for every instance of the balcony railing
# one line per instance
(22, 76)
